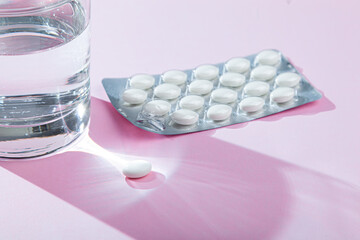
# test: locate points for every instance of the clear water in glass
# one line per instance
(44, 76)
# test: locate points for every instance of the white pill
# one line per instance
(224, 95)
(238, 65)
(185, 117)
(252, 104)
(157, 107)
(192, 102)
(142, 81)
(200, 87)
(232, 79)
(288, 79)
(137, 169)
(167, 91)
(207, 72)
(282, 94)
(175, 77)
(268, 57)
(263, 73)
(219, 112)
(256, 88)
(134, 96)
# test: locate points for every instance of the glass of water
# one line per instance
(44, 75)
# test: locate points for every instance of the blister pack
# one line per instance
(211, 95)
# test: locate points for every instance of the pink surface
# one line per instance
(29, 212)
(294, 175)
(226, 192)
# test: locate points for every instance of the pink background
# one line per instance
(294, 175)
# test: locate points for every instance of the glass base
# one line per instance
(20, 142)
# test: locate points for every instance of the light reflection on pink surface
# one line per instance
(204, 189)
(152, 180)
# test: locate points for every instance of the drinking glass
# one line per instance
(44, 75)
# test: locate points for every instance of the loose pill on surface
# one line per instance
(282, 94)
(192, 102)
(142, 81)
(263, 73)
(185, 117)
(252, 104)
(256, 88)
(238, 65)
(200, 87)
(207, 72)
(232, 79)
(175, 77)
(167, 91)
(288, 79)
(137, 169)
(268, 57)
(157, 107)
(224, 95)
(219, 112)
(134, 96)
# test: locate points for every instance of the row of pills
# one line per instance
(168, 91)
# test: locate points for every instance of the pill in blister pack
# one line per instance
(211, 95)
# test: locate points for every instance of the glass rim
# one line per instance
(24, 10)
